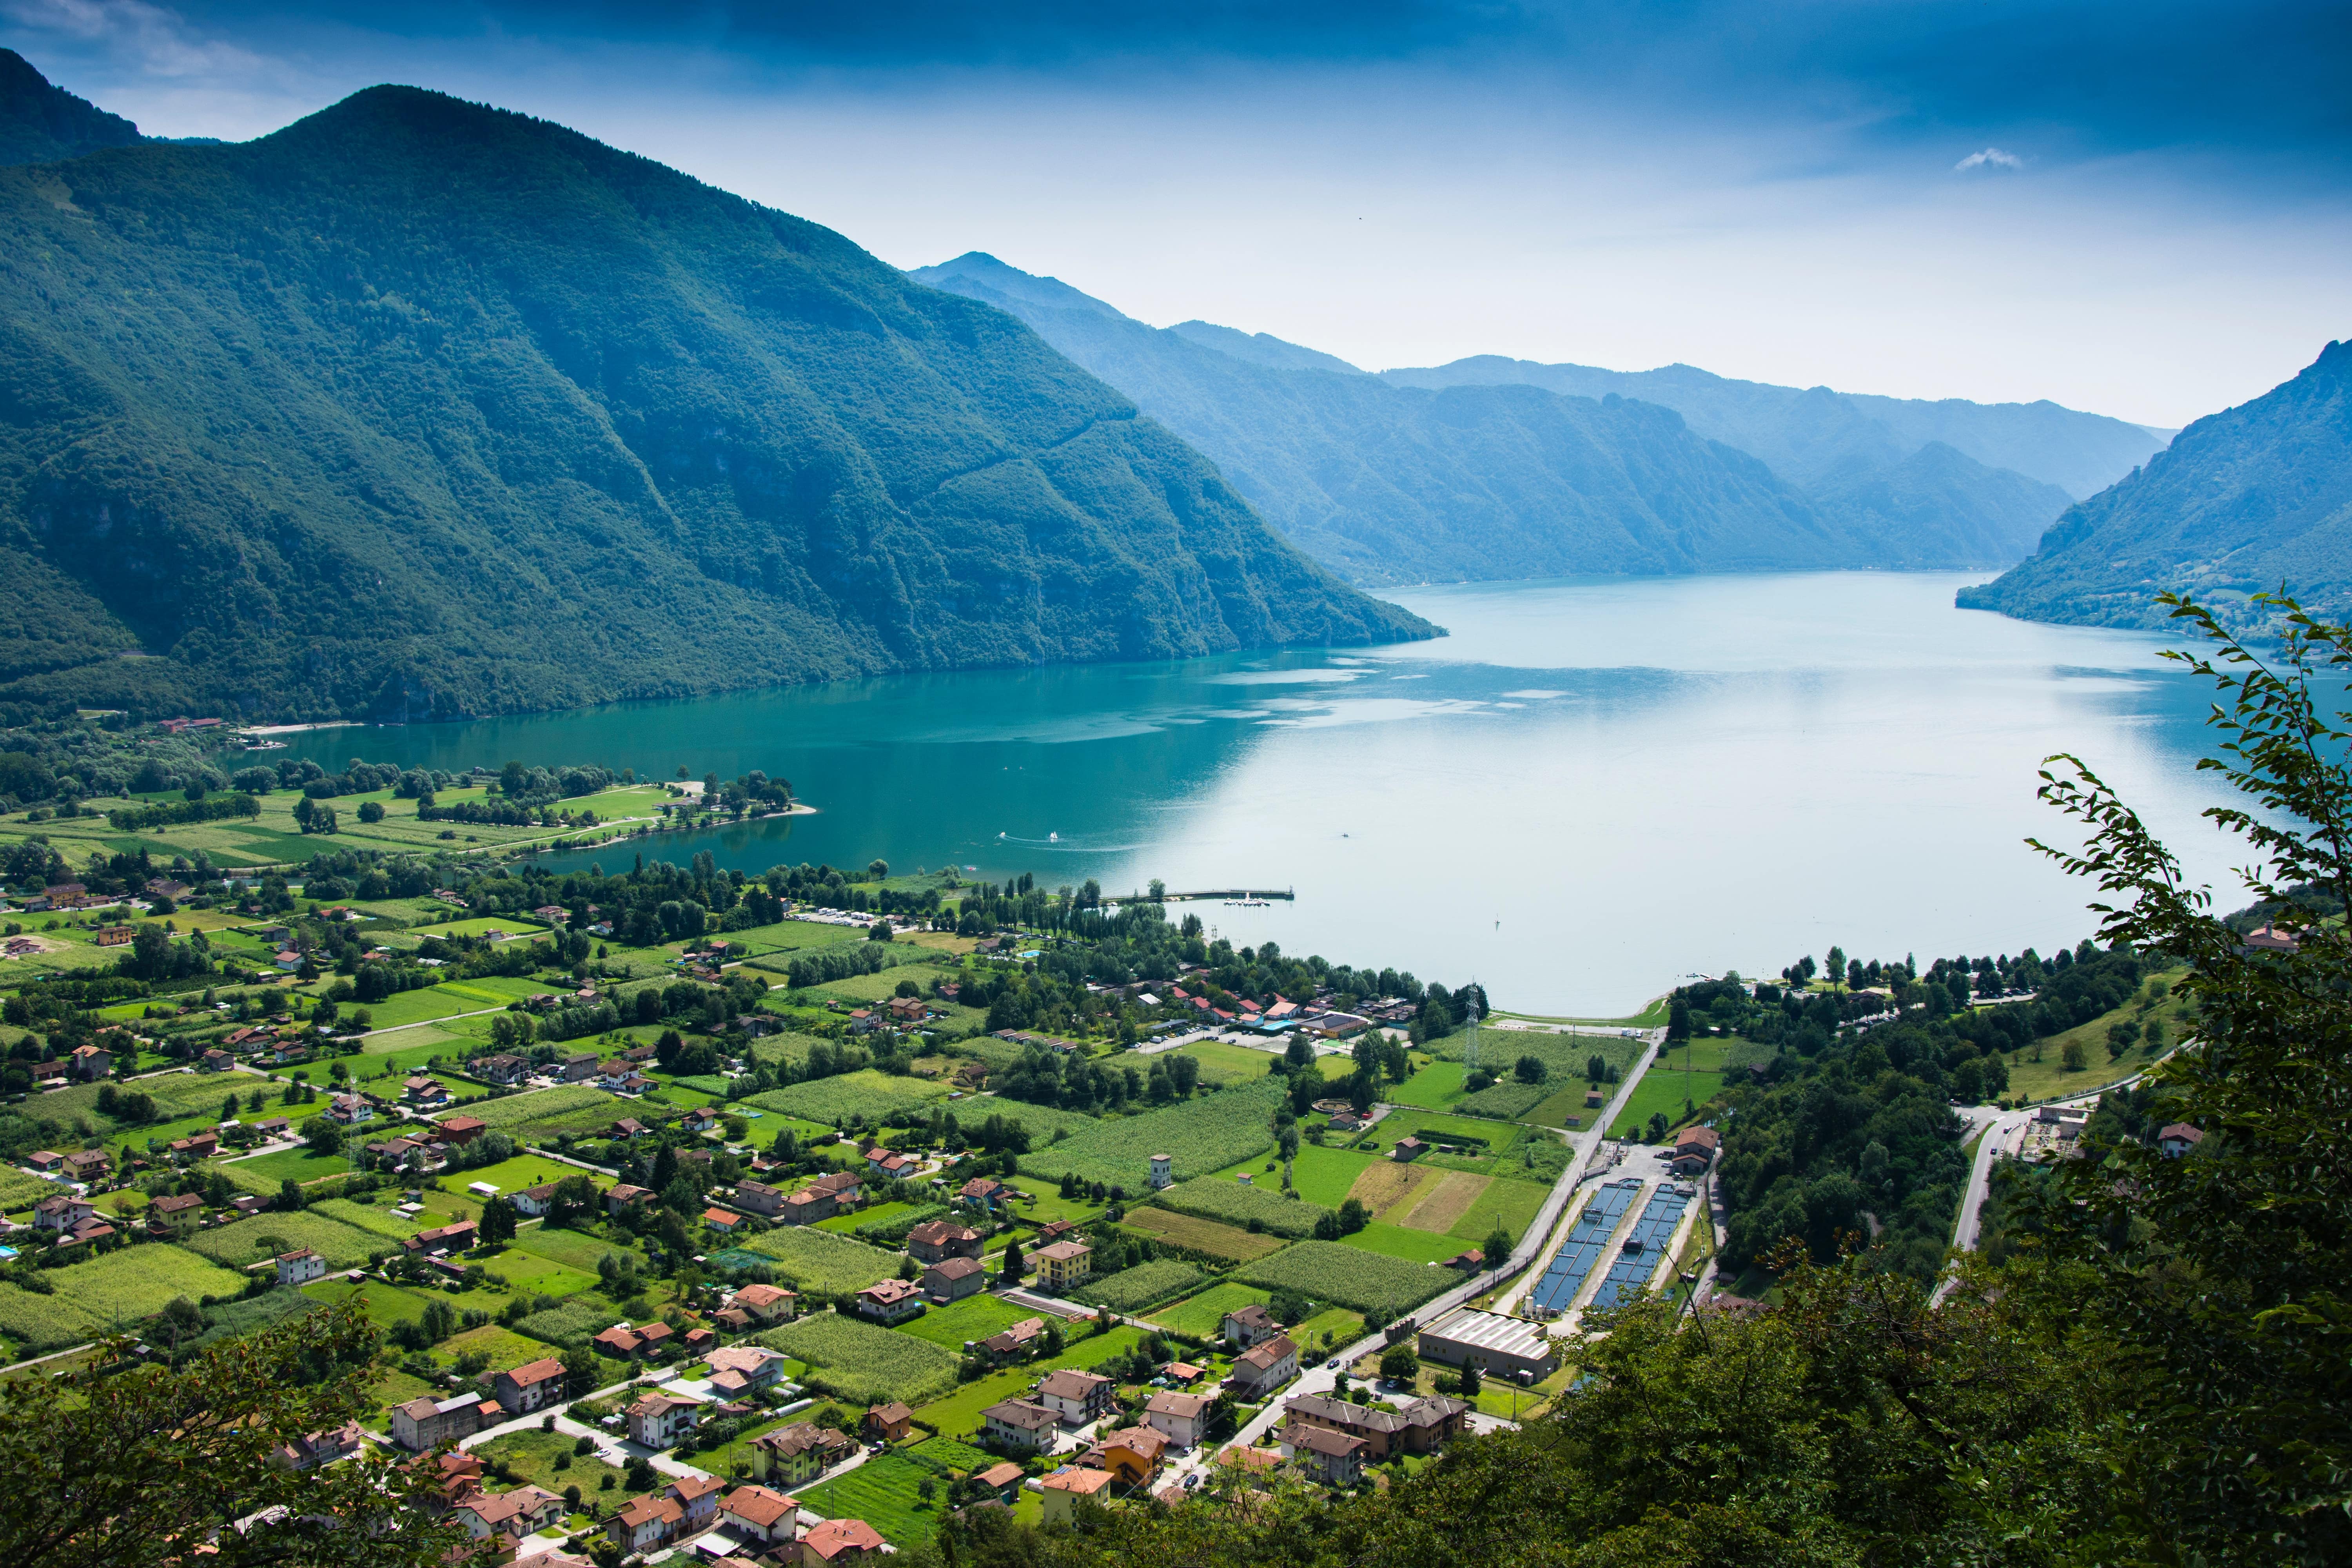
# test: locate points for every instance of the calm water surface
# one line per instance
(1589, 789)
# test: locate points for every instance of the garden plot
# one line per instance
(1201, 1236)
(862, 1363)
(818, 1262)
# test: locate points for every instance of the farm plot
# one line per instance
(1041, 1121)
(367, 1216)
(573, 1323)
(1505, 1100)
(821, 1263)
(572, 1248)
(867, 1093)
(1133, 1290)
(301, 1166)
(1204, 1316)
(1383, 1288)
(1447, 1200)
(514, 1112)
(1202, 1135)
(176, 1095)
(1230, 1202)
(385, 1304)
(115, 1290)
(1203, 1235)
(265, 1235)
(1386, 1189)
(21, 1191)
(1511, 1205)
(958, 1416)
(883, 1493)
(862, 1363)
(973, 1318)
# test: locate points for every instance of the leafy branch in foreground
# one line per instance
(129, 1465)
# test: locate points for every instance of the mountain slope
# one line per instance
(2242, 500)
(1801, 432)
(44, 124)
(1393, 485)
(417, 407)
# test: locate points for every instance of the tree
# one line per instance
(323, 1134)
(1530, 1070)
(134, 1466)
(1012, 1268)
(1658, 1125)
(1398, 1365)
(2073, 1059)
(1678, 1019)
(1496, 1248)
(498, 1220)
(1299, 1053)
(1471, 1382)
(2121, 1038)
(370, 811)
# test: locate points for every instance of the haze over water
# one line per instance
(1589, 790)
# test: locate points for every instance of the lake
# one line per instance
(1589, 790)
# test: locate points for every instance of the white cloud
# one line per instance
(1989, 158)
(149, 38)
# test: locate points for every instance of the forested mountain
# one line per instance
(417, 407)
(1464, 472)
(42, 124)
(2242, 500)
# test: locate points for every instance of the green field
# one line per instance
(576, 1321)
(958, 1414)
(302, 1165)
(386, 1304)
(511, 1176)
(862, 1363)
(1202, 1235)
(1667, 1090)
(21, 1189)
(1132, 1289)
(973, 1318)
(867, 1093)
(1383, 1288)
(1203, 1134)
(882, 1491)
(1228, 1202)
(546, 1459)
(819, 1262)
(267, 1235)
(572, 1248)
(1222, 1063)
(513, 925)
(1434, 1088)
(515, 1113)
(528, 1272)
(112, 1292)
(505, 1348)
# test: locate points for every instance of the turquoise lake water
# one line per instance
(1586, 792)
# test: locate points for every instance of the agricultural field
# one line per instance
(527, 1273)
(864, 1364)
(512, 1113)
(1434, 1088)
(879, 1217)
(1228, 1201)
(949, 1452)
(22, 1190)
(1203, 1134)
(511, 1176)
(176, 1096)
(1042, 1122)
(885, 1493)
(299, 1165)
(377, 1217)
(973, 1318)
(546, 1459)
(572, 1248)
(867, 1093)
(268, 1235)
(1678, 1094)
(1201, 1235)
(1203, 1315)
(818, 1262)
(385, 1304)
(1224, 1063)
(506, 1349)
(1505, 1100)
(1133, 1290)
(575, 1322)
(114, 1290)
(1383, 1288)
(511, 925)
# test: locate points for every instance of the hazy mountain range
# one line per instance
(2244, 501)
(1494, 468)
(417, 407)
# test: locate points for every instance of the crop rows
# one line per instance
(1383, 1288)
(121, 1288)
(1231, 1203)
(1200, 1135)
(864, 1365)
(1145, 1285)
(507, 1112)
(867, 1093)
(818, 1262)
(367, 1216)
(267, 1235)
(574, 1322)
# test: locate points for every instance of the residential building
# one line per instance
(1131, 1453)
(525, 1388)
(1409, 1148)
(533, 1202)
(578, 1068)
(459, 1130)
(216, 1060)
(426, 1423)
(657, 1419)
(90, 1062)
(1163, 1172)
(890, 1165)
(793, 1454)
(698, 1498)
(1264, 1366)
(2178, 1139)
(1694, 1151)
(1330, 1456)
(526, 1511)
(644, 1524)
(761, 1514)
(756, 1366)
(1064, 1266)
(953, 1279)
(1002, 1478)
(620, 1199)
(1066, 1486)
(1077, 1398)
(442, 1239)
(726, 1222)
(421, 1091)
(759, 1197)
(299, 1268)
(316, 1449)
(936, 1240)
(768, 1303)
(94, 1164)
(617, 1342)
(503, 1068)
(891, 1300)
(196, 1146)
(1018, 1341)
(1245, 1326)
(48, 1162)
(351, 1110)
(1018, 1423)
(176, 1214)
(840, 1543)
(1181, 1418)
(1491, 1343)
(888, 1423)
(1421, 1427)
(987, 1192)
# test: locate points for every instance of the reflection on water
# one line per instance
(1701, 773)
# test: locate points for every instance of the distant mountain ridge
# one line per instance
(2241, 501)
(417, 408)
(1469, 481)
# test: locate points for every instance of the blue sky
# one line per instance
(2136, 209)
